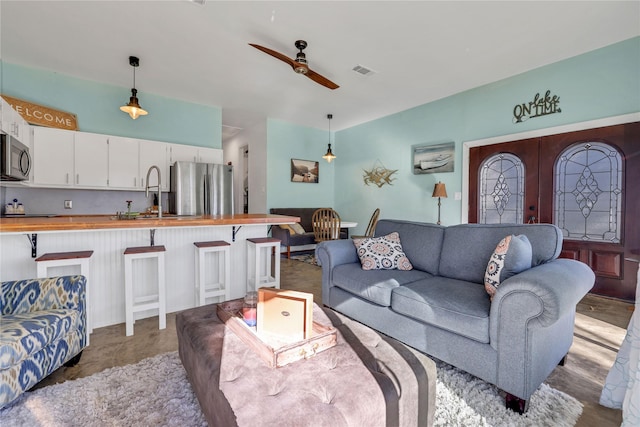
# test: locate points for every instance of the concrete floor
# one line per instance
(600, 328)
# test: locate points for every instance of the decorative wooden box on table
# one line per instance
(298, 336)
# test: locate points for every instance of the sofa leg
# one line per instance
(516, 404)
(288, 252)
(73, 361)
(563, 360)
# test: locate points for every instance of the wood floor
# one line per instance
(600, 328)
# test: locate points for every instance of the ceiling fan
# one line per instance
(299, 64)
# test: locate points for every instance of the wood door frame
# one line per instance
(467, 145)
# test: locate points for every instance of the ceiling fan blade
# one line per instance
(275, 54)
(321, 79)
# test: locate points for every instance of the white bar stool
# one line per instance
(63, 259)
(147, 302)
(221, 285)
(257, 277)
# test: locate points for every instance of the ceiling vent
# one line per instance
(365, 71)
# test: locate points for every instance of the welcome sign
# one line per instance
(36, 114)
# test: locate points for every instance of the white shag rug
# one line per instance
(156, 392)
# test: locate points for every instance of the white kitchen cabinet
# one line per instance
(123, 163)
(12, 123)
(91, 163)
(210, 155)
(53, 157)
(182, 153)
(154, 153)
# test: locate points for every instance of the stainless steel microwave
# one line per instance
(15, 161)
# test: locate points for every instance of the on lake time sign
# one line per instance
(43, 116)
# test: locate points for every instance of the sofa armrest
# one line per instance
(329, 255)
(280, 233)
(25, 296)
(556, 286)
(532, 320)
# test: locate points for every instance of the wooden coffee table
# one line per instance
(366, 379)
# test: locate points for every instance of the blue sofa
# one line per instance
(441, 308)
(43, 327)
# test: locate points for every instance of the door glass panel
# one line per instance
(501, 190)
(588, 192)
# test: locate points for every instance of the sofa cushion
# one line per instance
(454, 305)
(421, 242)
(467, 247)
(382, 253)
(373, 285)
(302, 239)
(25, 334)
(511, 256)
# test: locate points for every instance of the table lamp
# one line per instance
(439, 190)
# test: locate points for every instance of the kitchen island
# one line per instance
(108, 238)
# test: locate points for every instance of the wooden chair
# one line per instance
(371, 228)
(326, 224)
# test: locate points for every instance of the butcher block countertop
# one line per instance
(101, 222)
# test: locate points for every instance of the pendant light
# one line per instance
(133, 108)
(329, 156)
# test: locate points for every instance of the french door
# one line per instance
(586, 182)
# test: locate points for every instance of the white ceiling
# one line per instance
(421, 50)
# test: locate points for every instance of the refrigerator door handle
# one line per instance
(205, 194)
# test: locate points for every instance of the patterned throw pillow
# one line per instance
(382, 253)
(512, 256)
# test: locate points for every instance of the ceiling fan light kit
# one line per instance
(133, 108)
(300, 64)
(329, 156)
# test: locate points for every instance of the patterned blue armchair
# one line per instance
(43, 326)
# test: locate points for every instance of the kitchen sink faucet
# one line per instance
(159, 186)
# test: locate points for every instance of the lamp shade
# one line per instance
(133, 108)
(439, 190)
(329, 155)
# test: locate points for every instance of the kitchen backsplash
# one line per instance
(51, 200)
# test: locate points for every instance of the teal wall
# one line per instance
(97, 107)
(598, 84)
(287, 141)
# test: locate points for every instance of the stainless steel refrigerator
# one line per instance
(201, 189)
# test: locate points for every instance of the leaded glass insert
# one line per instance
(501, 192)
(588, 192)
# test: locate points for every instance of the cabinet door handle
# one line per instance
(135, 184)
(78, 178)
(66, 179)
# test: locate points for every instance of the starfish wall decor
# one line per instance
(378, 175)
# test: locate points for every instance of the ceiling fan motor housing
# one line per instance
(301, 59)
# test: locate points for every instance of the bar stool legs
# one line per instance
(63, 259)
(147, 302)
(259, 268)
(220, 286)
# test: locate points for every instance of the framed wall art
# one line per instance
(433, 158)
(304, 171)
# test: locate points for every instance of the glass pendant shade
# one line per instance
(133, 108)
(329, 156)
